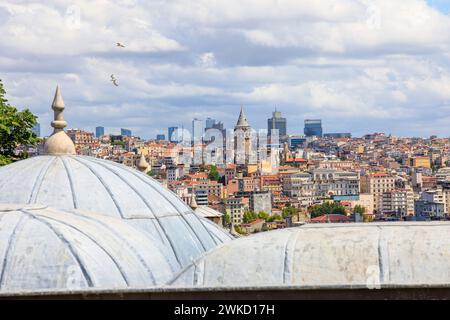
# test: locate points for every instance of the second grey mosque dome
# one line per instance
(63, 180)
(45, 249)
(369, 255)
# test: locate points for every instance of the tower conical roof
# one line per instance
(242, 121)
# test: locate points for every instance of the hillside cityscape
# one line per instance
(314, 177)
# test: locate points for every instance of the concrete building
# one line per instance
(201, 196)
(429, 209)
(261, 202)
(376, 184)
(235, 208)
(420, 162)
(300, 186)
(399, 202)
(83, 140)
(331, 182)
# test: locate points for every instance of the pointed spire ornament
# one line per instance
(143, 164)
(193, 202)
(59, 142)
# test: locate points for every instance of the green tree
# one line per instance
(263, 215)
(326, 209)
(152, 173)
(289, 211)
(15, 129)
(359, 209)
(274, 217)
(249, 216)
(213, 173)
(119, 143)
(226, 219)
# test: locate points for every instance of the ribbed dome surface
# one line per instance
(47, 249)
(112, 189)
(330, 255)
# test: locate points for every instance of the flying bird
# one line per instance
(114, 80)
(120, 45)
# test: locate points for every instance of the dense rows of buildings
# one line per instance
(391, 178)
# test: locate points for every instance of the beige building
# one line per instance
(235, 208)
(366, 201)
(376, 184)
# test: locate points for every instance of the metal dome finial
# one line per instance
(143, 164)
(58, 107)
(59, 142)
(193, 202)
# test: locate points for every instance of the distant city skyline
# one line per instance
(360, 66)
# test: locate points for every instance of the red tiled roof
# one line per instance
(333, 218)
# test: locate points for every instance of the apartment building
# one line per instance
(399, 202)
(377, 184)
(299, 186)
(338, 183)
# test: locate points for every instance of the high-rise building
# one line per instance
(209, 123)
(99, 131)
(197, 130)
(172, 132)
(160, 137)
(37, 129)
(279, 123)
(125, 132)
(313, 128)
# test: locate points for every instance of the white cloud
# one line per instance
(361, 65)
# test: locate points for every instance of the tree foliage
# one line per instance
(326, 208)
(359, 209)
(274, 217)
(226, 219)
(213, 174)
(289, 211)
(15, 129)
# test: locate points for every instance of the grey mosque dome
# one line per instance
(63, 180)
(334, 256)
(44, 249)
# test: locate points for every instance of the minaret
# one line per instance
(59, 142)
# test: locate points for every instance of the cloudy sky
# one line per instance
(360, 65)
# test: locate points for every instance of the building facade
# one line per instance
(313, 128)
(279, 123)
(99, 132)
